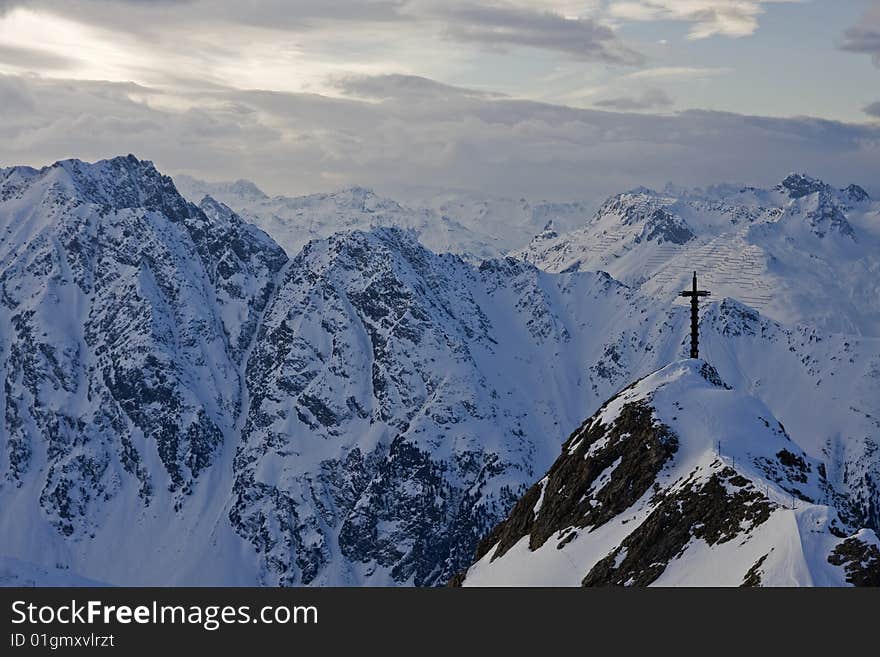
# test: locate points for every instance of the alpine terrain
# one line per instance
(472, 227)
(187, 400)
(680, 480)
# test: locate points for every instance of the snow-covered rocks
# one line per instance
(472, 227)
(678, 480)
(185, 403)
(125, 313)
(802, 251)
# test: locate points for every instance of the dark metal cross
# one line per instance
(695, 295)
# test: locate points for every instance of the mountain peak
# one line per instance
(677, 479)
(856, 194)
(247, 189)
(800, 184)
(118, 183)
(129, 163)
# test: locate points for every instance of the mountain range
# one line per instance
(340, 390)
(473, 227)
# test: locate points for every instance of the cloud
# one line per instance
(296, 45)
(32, 59)
(398, 87)
(155, 16)
(300, 143)
(684, 72)
(7, 5)
(649, 99)
(499, 26)
(864, 38)
(873, 109)
(553, 25)
(731, 18)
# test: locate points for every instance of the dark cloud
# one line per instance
(873, 109)
(32, 59)
(864, 38)
(649, 99)
(299, 143)
(503, 27)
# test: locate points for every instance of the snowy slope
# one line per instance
(125, 317)
(679, 480)
(202, 400)
(185, 404)
(14, 572)
(799, 252)
(472, 227)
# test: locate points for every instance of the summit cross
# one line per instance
(695, 295)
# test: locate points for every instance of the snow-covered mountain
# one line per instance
(801, 251)
(472, 227)
(679, 480)
(173, 381)
(184, 403)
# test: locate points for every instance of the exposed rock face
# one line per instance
(642, 495)
(708, 511)
(795, 251)
(856, 194)
(183, 403)
(861, 560)
(364, 386)
(753, 576)
(121, 332)
(799, 185)
(606, 470)
(662, 227)
(172, 380)
(650, 215)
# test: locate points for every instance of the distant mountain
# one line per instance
(186, 403)
(679, 480)
(473, 227)
(802, 251)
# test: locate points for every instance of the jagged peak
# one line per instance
(209, 201)
(548, 232)
(220, 221)
(677, 456)
(640, 190)
(247, 188)
(241, 188)
(128, 163)
(801, 184)
(116, 183)
(506, 267)
(374, 243)
(856, 193)
(356, 190)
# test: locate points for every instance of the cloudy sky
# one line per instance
(541, 98)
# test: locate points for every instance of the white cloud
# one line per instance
(731, 18)
(416, 133)
(670, 72)
(503, 26)
(292, 45)
(646, 100)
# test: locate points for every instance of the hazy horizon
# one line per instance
(555, 99)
